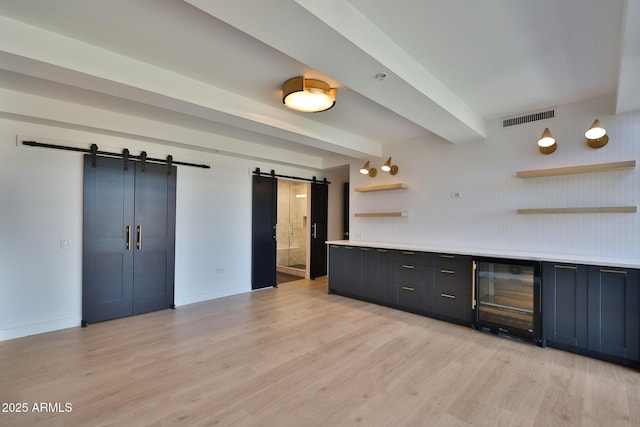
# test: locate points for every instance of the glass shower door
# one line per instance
(292, 228)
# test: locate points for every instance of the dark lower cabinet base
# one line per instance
(408, 309)
(595, 355)
(585, 309)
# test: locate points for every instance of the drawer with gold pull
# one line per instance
(410, 296)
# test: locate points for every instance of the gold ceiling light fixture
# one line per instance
(547, 143)
(308, 95)
(388, 167)
(366, 169)
(596, 135)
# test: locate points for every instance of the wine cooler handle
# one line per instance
(473, 286)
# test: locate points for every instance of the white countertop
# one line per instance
(535, 256)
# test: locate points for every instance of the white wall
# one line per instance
(483, 172)
(41, 203)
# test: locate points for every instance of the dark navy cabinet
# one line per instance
(370, 274)
(337, 268)
(387, 274)
(592, 310)
(410, 280)
(614, 312)
(564, 305)
(450, 294)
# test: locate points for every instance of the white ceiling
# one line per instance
(217, 66)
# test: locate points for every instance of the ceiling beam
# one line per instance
(340, 42)
(628, 83)
(39, 53)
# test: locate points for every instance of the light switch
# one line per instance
(64, 244)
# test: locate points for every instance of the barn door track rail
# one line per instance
(125, 155)
(273, 174)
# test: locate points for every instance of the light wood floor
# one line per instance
(295, 356)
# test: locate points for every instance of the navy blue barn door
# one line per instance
(263, 244)
(319, 207)
(128, 238)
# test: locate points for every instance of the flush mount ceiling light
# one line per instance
(596, 135)
(547, 143)
(388, 167)
(308, 95)
(367, 170)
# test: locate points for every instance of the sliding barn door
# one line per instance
(154, 253)
(263, 233)
(319, 208)
(107, 261)
(128, 238)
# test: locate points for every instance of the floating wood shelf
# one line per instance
(378, 214)
(606, 209)
(384, 187)
(571, 170)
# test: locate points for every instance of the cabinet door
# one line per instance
(565, 304)
(337, 269)
(370, 278)
(614, 319)
(354, 271)
(387, 276)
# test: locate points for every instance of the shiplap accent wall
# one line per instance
(484, 173)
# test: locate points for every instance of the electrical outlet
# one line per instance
(456, 195)
(64, 244)
(219, 270)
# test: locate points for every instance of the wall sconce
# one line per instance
(388, 167)
(547, 143)
(366, 170)
(596, 136)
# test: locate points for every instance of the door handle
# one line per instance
(128, 237)
(315, 229)
(139, 239)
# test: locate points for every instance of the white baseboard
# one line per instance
(38, 328)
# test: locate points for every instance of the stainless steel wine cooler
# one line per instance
(507, 297)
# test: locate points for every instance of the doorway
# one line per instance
(303, 238)
(292, 230)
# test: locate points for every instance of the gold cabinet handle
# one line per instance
(606, 270)
(567, 267)
(448, 256)
(473, 286)
(139, 242)
(407, 288)
(448, 296)
(408, 266)
(365, 249)
(382, 250)
(128, 237)
(348, 247)
(448, 271)
(408, 253)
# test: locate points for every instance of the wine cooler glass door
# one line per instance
(506, 295)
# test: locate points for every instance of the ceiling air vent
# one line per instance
(549, 114)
